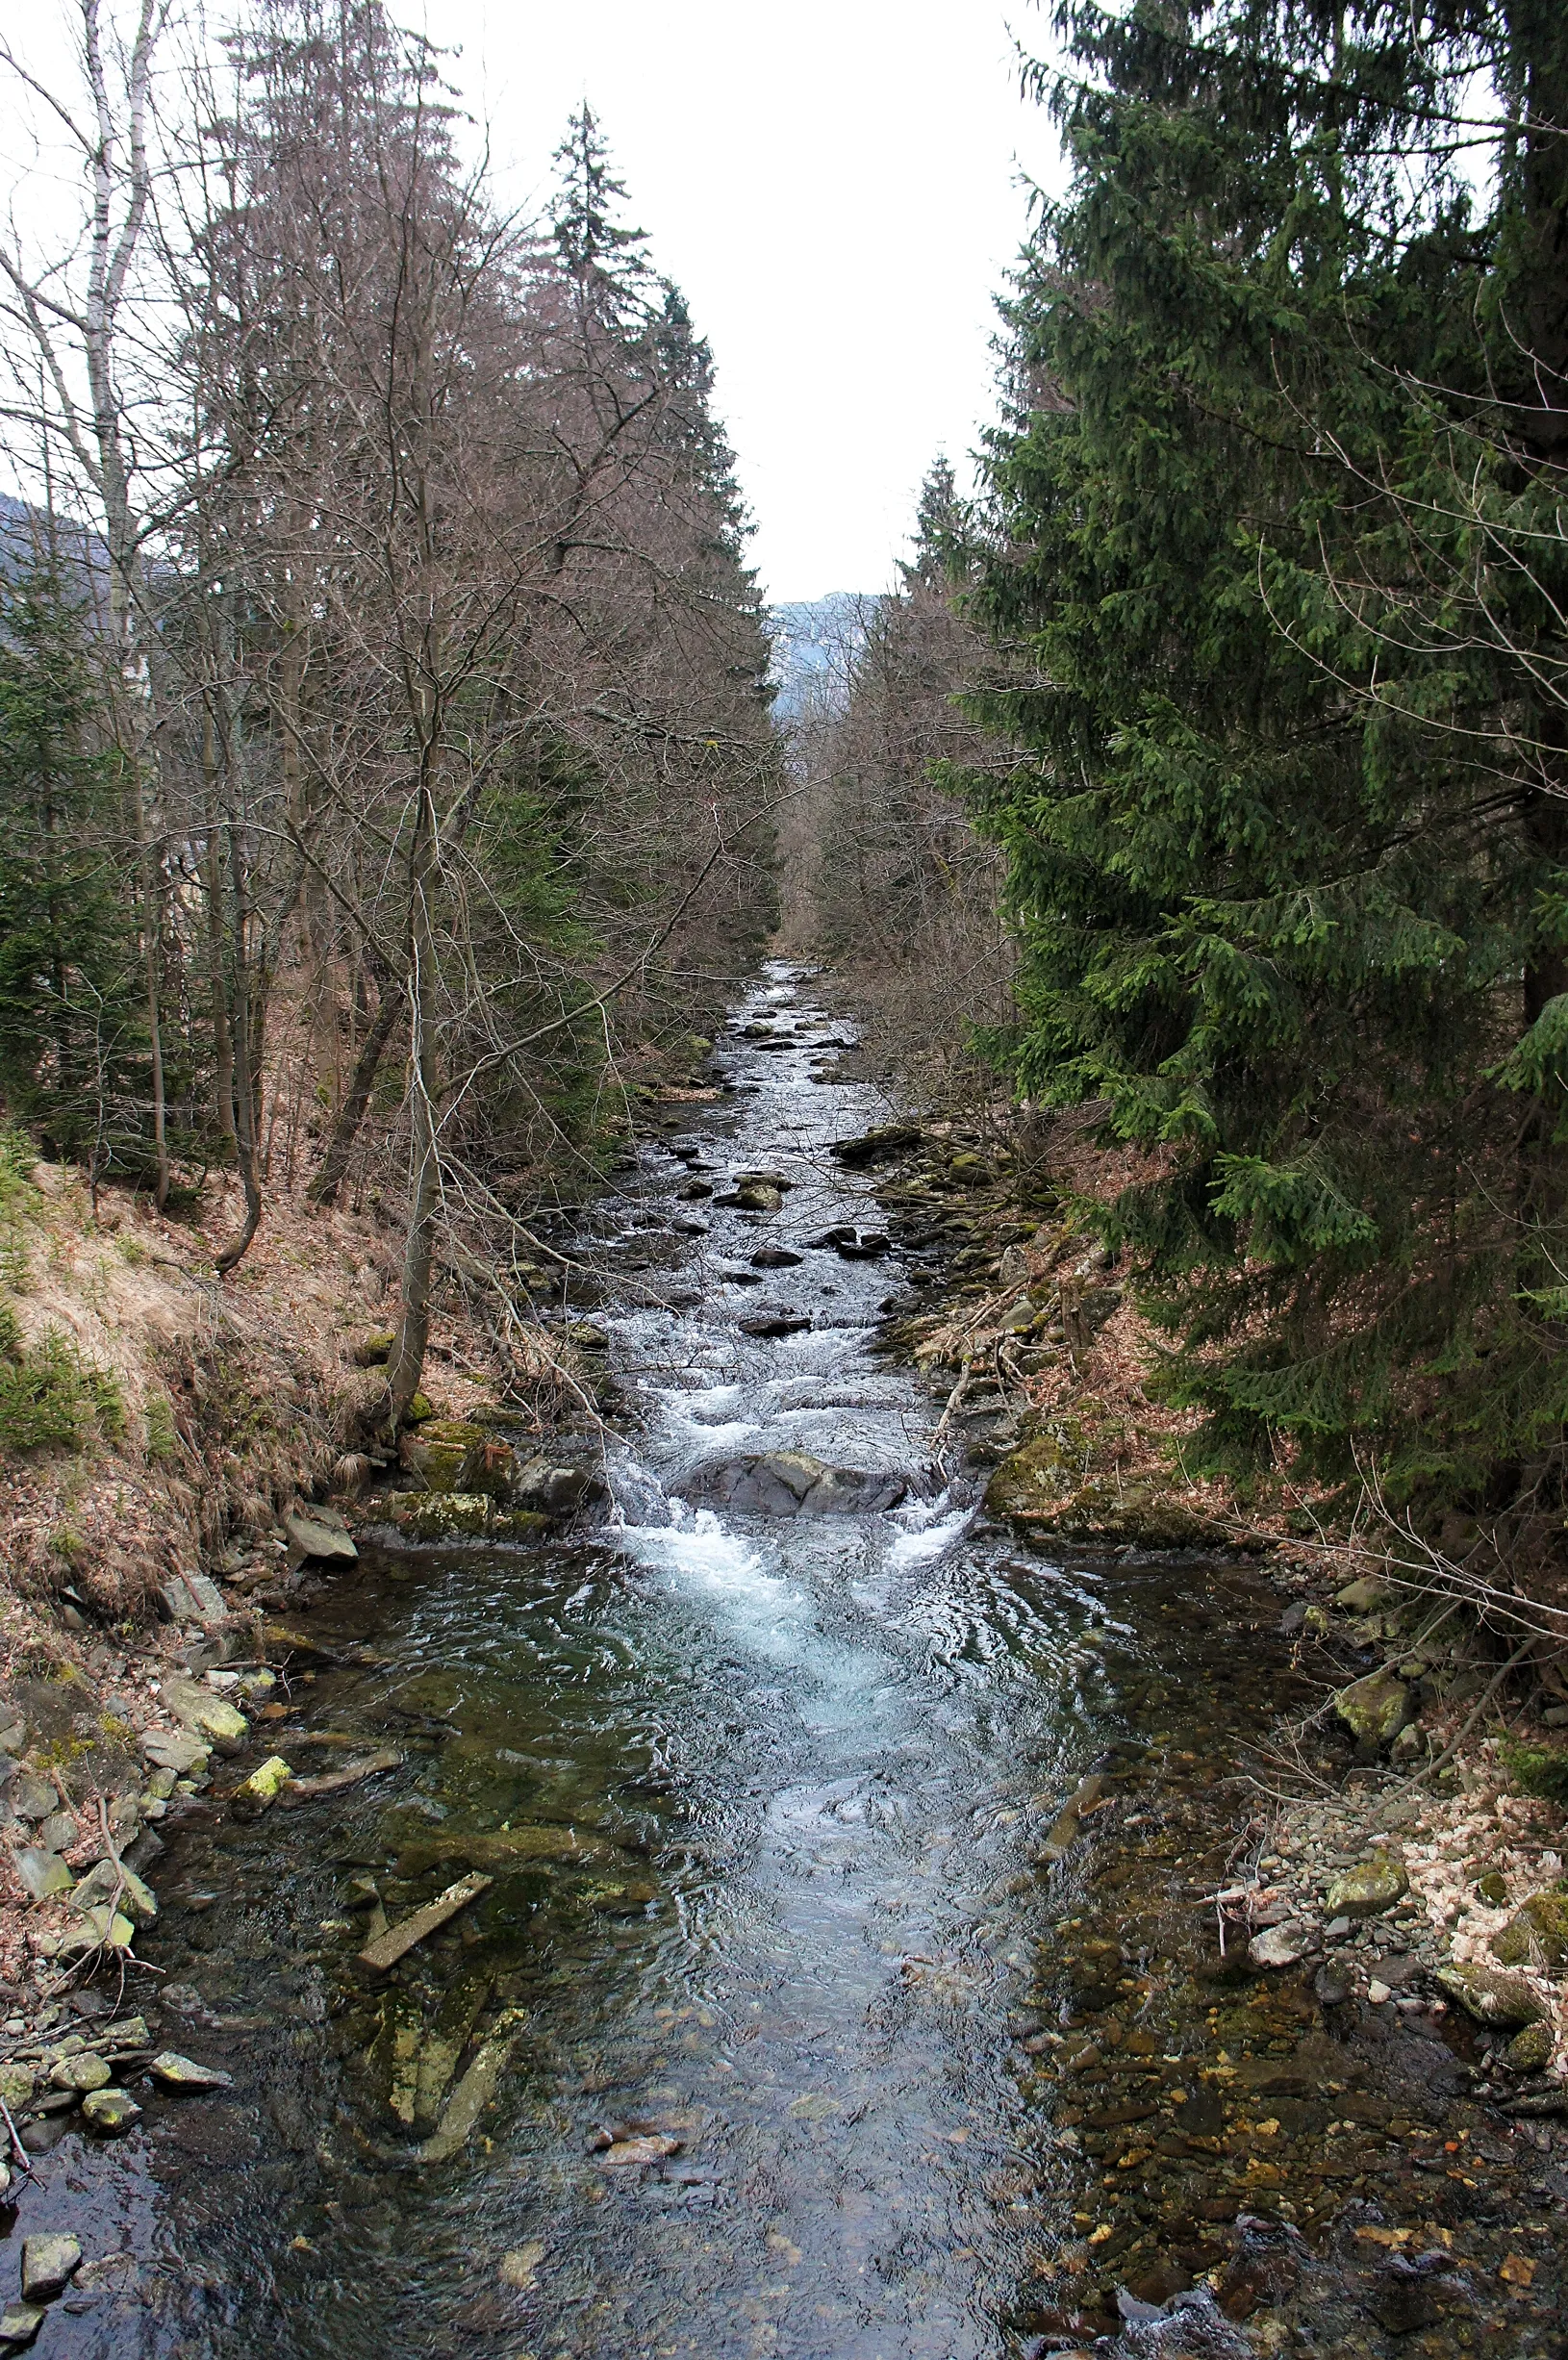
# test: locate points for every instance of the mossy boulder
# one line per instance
(1047, 1484)
(375, 1350)
(1373, 1884)
(458, 1455)
(1374, 1710)
(1488, 1996)
(462, 1515)
(1530, 2051)
(1536, 1935)
(1363, 1597)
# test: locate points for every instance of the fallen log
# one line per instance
(387, 1949)
(332, 1782)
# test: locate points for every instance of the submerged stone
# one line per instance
(48, 2266)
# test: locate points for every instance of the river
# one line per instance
(756, 2091)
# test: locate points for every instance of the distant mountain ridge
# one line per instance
(816, 642)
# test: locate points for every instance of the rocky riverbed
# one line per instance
(780, 1863)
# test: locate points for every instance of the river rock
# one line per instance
(869, 1247)
(260, 1790)
(43, 1873)
(754, 1197)
(102, 1929)
(1374, 1710)
(1363, 1597)
(177, 2072)
(1530, 2051)
(32, 1798)
(318, 1539)
(775, 1320)
(19, 2324)
(796, 1482)
(1489, 1997)
(175, 1753)
(119, 1884)
(552, 1490)
(16, 2084)
(775, 1257)
(1373, 1884)
(1282, 1946)
(455, 1455)
(500, 1849)
(84, 2070)
(205, 1715)
(1536, 1935)
(49, 2263)
(877, 1146)
(111, 2112)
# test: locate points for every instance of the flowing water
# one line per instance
(792, 1768)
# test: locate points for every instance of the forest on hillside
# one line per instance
(1241, 686)
(386, 770)
(389, 784)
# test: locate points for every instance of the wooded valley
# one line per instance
(389, 788)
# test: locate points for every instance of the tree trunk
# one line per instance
(323, 1188)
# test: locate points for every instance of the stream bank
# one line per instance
(819, 2000)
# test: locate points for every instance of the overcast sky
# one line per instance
(835, 186)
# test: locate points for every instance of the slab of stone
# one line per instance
(86, 2071)
(796, 1482)
(32, 1798)
(387, 1949)
(43, 1873)
(1537, 1934)
(177, 2072)
(317, 1541)
(209, 1716)
(16, 2084)
(1282, 1946)
(1374, 1710)
(49, 2263)
(102, 1928)
(111, 2112)
(19, 2324)
(176, 1751)
(58, 1831)
(122, 1887)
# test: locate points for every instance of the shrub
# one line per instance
(1539, 1770)
(50, 1400)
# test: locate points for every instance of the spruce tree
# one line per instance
(1286, 856)
(72, 1035)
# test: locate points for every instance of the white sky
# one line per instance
(834, 186)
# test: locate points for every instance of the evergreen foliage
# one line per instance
(1275, 554)
(72, 1047)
